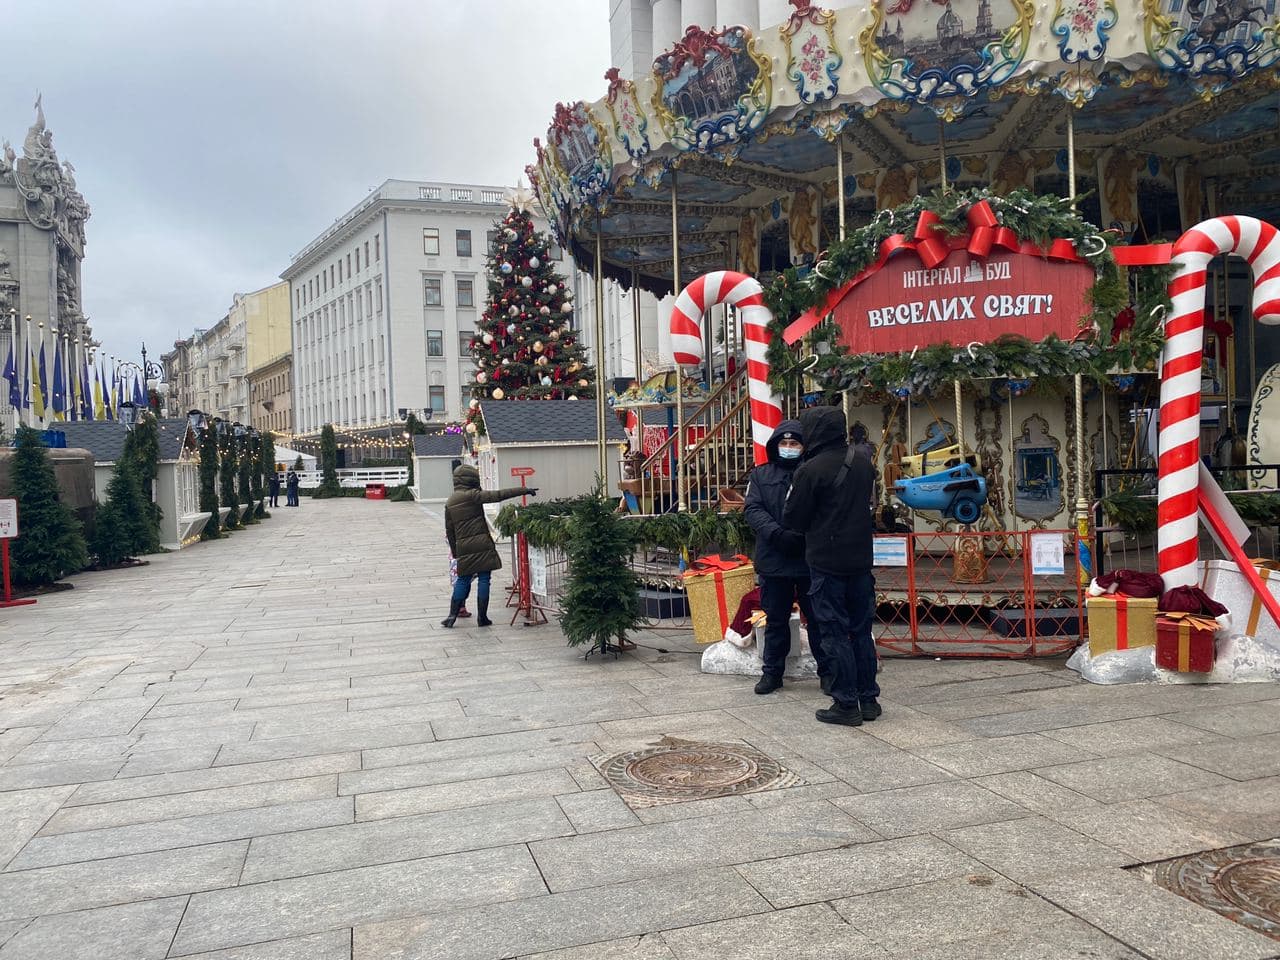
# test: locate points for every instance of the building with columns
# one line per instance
(42, 242)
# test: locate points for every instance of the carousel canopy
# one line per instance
(1172, 106)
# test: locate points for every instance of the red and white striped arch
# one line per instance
(745, 293)
(1179, 496)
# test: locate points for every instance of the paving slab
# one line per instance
(563, 920)
(1032, 847)
(23, 813)
(447, 796)
(681, 846)
(345, 898)
(1155, 922)
(292, 854)
(976, 758)
(929, 808)
(649, 946)
(138, 931)
(333, 945)
(814, 932)
(78, 886)
(1130, 778)
(789, 881)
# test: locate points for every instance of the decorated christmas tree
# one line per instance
(524, 347)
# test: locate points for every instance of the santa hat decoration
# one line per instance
(1131, 583)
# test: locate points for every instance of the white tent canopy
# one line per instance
(288, 457)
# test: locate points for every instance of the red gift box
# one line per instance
(1184, 642)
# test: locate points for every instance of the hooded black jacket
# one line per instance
(779, 552)
(836, 522)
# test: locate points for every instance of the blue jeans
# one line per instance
(777, 594)
(462, 587)
(844, 608)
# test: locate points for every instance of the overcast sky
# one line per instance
(213, 140)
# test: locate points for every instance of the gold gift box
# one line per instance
(1121, 623)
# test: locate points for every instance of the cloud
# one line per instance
(214, 140)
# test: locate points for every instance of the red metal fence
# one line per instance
(937, 594)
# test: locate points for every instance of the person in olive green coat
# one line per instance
(470, 542)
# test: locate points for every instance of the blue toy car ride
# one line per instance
(959, 493)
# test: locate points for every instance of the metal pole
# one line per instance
(635, 323)
(942, 154)
(1082, 504)
(677, 443)
(840, 179)
(602, 444)
(959, 392)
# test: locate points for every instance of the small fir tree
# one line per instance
(329, 486)
(266, 467)
(142, 449)
(602, 599)
(208, 483)
(227, 479)
(127, 530)
(50, 543)
(524, 347)
(298, 465)
(247, 457)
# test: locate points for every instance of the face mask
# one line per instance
(789, 453)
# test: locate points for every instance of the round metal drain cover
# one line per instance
(1241, 883)
(685, 770)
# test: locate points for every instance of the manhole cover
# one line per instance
(673, 771)
(1241, 883)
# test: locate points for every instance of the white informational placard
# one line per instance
(1047, 557)
(538, 571)
(8, 519)
(889, 552)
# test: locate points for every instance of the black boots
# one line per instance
(848, 716)
(870, 709)
(454, 607)
(482, 612)
(768, 684)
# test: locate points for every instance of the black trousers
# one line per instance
(844, 608)
(777, 594)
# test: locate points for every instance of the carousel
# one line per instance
(962, 221)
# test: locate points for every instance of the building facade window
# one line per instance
(464, 343)
(431, 291)
(436, 395)
(377, 250)
(462, 238)
(435, 343)
(554, 252)
(466, 293)
(431, 241)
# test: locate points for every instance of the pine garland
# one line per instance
(1035, 218)
(546, 526)
(1136, 514)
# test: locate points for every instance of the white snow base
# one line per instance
(1239, 659)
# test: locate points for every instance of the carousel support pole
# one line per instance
(677, 442)
(602, 443)
(1083, 555)
(942, 154)
(1013, 471)
(635, 323)
(840, 180)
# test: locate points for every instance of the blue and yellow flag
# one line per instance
(38, 385)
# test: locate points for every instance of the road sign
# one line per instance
(522, 471)
(8, 519)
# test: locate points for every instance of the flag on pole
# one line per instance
(26, 379)
(99, 403)
(86, 390)
(139, 391)
(38, 384)
(59, 396)
(11, 374)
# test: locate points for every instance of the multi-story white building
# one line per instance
(385, 302)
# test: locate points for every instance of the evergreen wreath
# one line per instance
(1038, 219)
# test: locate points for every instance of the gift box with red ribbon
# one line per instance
(1117, 622)
(1184, 642)
(715, 586)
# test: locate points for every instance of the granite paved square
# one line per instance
(267, 748)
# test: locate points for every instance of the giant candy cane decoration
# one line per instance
(745, 293)
(1179, 494)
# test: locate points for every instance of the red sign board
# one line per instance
(965, 298)
(522, 471)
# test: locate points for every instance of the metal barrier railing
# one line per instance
(1116, 548)
(955, 595)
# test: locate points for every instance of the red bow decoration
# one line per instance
(986, 232)
(930, 239)
(1222, 330)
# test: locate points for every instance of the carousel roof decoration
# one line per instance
(1174, 107)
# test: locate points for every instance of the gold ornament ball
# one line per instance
(583, 383)
(471, 428)
(554, 334)
(537, 346)
(497, 393)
